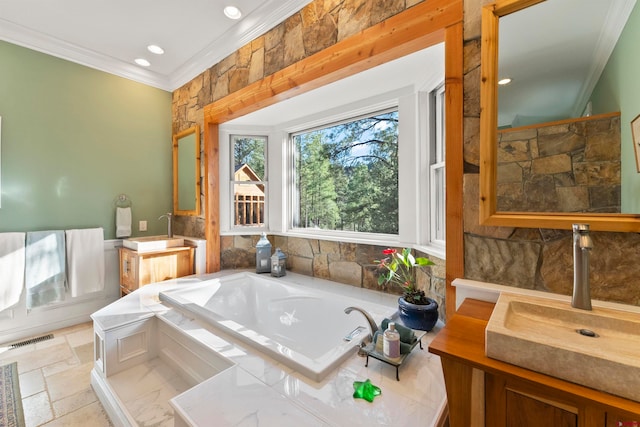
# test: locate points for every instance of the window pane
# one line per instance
(347, 176)
(439, 125)
(248, 204)
(248, 182)
(438, 213)
(249, 151)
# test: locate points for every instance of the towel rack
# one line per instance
(123, 201)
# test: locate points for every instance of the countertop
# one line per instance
(463, 340)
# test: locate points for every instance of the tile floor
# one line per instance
(55, 379)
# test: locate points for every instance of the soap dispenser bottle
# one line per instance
(263, 255)
(391, 343)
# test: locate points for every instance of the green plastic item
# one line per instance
(365, 390)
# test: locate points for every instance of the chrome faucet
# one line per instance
(582, 245)
(169, 217)
(372, 323)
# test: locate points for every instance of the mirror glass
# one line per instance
(186, 172)
(560, 140)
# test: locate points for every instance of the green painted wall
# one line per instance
(73, 139)
(619, 90)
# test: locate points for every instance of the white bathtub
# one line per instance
(300, 327)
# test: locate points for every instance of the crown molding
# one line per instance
(261, 20)
(34, 40)
(615, 21)
(265, 17)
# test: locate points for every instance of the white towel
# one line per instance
(85, 260)
(11, 268)
(45, 269)
(123, 222)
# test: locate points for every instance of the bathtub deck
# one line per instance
(258, 388)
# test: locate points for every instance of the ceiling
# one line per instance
(555, 52)
(109, 35)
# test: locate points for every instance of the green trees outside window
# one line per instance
(346, 175)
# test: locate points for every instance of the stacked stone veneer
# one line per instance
(531, 258)
(317, 26)
(348, 263)
(572, 166)
(320, 24)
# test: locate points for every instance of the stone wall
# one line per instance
(317, 26)
(348, 263)
(568, 166)
(320, 24)
(531, 258)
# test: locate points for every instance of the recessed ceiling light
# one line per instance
(232, 12)
(143, 62)
(504, 81)
(153, 48)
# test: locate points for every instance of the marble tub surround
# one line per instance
(343, 262)
(257, 389)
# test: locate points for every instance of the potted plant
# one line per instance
(417, 311)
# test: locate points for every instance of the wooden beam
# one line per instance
(454, 79)
(212, 195)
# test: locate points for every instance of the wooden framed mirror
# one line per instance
(490, 73)
(186, 172)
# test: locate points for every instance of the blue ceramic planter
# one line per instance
(418, 316)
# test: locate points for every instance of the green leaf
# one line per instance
(424, 261)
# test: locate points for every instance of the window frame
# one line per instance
(227, 170)
(264, 182)
(436, 161)
(293, 191)
(414, 159)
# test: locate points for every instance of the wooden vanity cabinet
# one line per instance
(141, 268)
(485, 392)
(510, 403)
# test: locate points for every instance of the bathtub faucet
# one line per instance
(372, 323)
(169, 217)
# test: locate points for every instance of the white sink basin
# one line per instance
(152, 243)
(543, 335)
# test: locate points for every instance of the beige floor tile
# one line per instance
(90, 415)
(80, 337)
(37, 409)
(72, 403)
(40, 358)
(31, 383)
(69, 382)
(57, 339)
(84, 353)
(74, 328)
(56, 368)
(9, 355)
